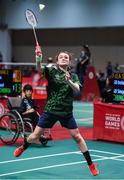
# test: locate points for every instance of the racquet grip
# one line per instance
(38, 58)
(37, 44)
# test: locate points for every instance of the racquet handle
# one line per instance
(38, 51)
(37, 44)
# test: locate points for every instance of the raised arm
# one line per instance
(38, 57)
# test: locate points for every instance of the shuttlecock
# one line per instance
(41, 7)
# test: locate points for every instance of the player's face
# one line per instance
(28, 93)
(63, 59)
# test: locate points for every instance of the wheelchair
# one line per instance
(13, 125)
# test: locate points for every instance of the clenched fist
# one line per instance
(38, 51)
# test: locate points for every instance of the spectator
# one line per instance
(1, 60)
(108, 91)
(101, 81)
(116, 68)
(49, 61)
(109, 69)
(83, 63)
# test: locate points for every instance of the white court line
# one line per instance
(83, 119)
(120, 156)
(91, 155)
(83, 102)
(61, 165)
(83, 111)
(88, 104)
(38, 157)
(105, 152)
(116, 157)
(48, 167)
(58, 154)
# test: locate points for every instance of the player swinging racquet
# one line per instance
(59, 105)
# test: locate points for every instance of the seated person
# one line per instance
(28, 108)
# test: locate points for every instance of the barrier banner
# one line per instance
(108, 122)
(90, 88)
(3, 106)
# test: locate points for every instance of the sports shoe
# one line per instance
(19, 151)
(45, 138)
(93, 169)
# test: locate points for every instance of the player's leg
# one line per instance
(32, 137)
(71, 125)
(46, 120)
(83, 147)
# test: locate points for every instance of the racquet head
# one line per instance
(31, 18)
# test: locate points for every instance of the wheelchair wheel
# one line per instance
(28, 128)
(9, 128)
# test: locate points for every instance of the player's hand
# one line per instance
(31, 110)
(28, 111)
(38, 51)
(67, 76)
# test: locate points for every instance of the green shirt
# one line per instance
(59, 93)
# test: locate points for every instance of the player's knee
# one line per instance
(34, 136)
(77, 137)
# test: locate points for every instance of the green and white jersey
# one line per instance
(59, 93)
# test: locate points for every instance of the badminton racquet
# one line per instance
(32, 20)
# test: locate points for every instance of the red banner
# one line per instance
(3, 106)
(90, 88)
(108, 122)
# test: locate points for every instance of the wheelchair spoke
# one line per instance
(9, 128)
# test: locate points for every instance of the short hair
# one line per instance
(27, 87)
(86, 47)
(50, 60)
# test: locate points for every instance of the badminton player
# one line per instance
(59, 105)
